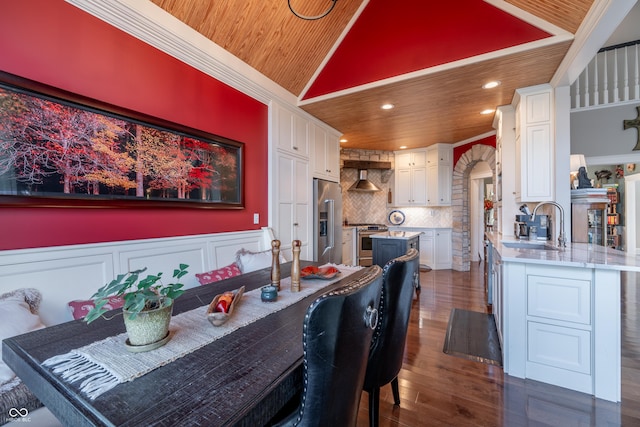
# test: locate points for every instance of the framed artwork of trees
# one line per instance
(58, 149)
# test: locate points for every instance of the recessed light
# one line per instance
(487, 111)
(491, 85)
(343, 140)
(387, 106)
(403, 147)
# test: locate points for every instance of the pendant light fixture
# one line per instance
(312, 18)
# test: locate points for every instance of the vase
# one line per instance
(149, 326)
(488, 217)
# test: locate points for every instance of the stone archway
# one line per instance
(460, 201)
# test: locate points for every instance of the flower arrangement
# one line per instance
(488, 204)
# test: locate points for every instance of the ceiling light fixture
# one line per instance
(387, 106)
(312, 18)
(343, 140)
(491, 85)
(403, 147)
(487, 111)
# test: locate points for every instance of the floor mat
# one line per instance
(473, 335)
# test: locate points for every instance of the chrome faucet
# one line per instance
(562, 240)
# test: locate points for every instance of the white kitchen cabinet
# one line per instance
(435, 246)
(551, 319)
(292, 216)
(426, 247)
(326, 150)
(534, 144)
(411, 177)
(290, 132)
(348, 246)
(550, 313)
(293, 136)
(439, 174)
(442, 250)
(291, 208)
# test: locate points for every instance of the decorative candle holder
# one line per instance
(269, 293)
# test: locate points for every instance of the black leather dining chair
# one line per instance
(337, 333)
(389, 338)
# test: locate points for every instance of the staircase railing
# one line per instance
(612, 77)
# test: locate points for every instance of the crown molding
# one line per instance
(152, 25)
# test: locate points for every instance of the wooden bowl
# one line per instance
(218, 318)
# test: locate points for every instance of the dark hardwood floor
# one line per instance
(437, 389)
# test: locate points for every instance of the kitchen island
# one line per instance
(557, 311)
(392, 244)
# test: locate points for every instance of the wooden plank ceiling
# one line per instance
(435, 102)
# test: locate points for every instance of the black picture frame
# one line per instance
(59, 149)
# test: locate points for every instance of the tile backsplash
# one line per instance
(359, 207)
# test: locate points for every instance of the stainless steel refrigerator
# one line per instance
(327, 222)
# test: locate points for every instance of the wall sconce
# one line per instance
(575, 163)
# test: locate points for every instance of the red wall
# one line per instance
(460, 150)
(54, 43)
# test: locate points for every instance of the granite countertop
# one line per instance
(574, 255)
(403, 235)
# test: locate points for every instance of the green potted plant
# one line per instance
(148, 304)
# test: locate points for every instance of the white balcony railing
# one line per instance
(612, 77)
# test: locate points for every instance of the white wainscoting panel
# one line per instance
(60, 279)
(66, 273)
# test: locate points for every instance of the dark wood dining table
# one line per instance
(243, 378)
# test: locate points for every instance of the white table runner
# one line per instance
(104, 364)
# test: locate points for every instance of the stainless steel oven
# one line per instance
(365, 244)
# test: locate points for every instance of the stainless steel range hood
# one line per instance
(363, 184)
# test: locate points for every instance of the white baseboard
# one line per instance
(66, 273)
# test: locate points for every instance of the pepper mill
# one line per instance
(295, 266)
(275, 263)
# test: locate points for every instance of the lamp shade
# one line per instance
(576, 161)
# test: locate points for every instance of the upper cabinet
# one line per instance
(411, 177)
(534, 145)
(439, 174)
(290, 131)
(295, 136)
(291, 184)
(326, 153)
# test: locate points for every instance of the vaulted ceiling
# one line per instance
(427, 58)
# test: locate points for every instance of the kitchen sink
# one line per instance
(532, 246)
